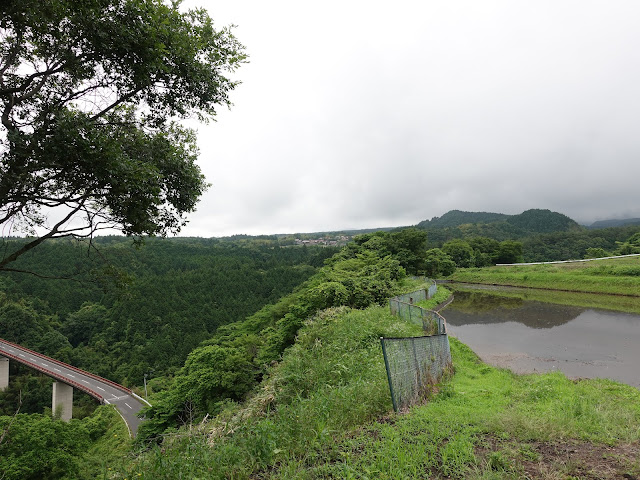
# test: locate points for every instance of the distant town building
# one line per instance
(337, 241)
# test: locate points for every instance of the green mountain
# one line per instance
(499, 226)
(455, 218)
(615, 223)
(542, 221)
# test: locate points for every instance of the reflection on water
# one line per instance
(529, 336)
(482, 307)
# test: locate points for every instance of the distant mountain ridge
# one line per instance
(614, 223)
(500, 226)
(460, 224)
(455, 218)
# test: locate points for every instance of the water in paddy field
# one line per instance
(528, 336)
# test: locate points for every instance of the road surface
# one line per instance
(105, 391)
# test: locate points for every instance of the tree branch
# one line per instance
(30, 94)
(56, 68)
(12, 54)
(120, 100)
(28, 246)
(5, 114)
(46, 277)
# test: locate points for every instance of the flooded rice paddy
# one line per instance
(529, 336)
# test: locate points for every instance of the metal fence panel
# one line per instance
(432, 322)
(414, 365)
(432, 290)
(412, 297)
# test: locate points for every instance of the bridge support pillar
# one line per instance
(62, 400)
(4, 373)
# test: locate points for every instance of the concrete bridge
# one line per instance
(67, 378)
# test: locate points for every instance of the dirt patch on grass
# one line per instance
(560, 460)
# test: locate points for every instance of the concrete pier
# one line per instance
(63, 400)
(4, 373)
(103, 390)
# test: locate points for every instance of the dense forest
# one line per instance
(126, 312)
(170, 297)
(233, 361)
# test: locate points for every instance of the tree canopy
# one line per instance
(91, 94)
(177, 293)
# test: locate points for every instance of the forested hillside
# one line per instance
(497, 226)
(581, 244)
(455, 218)
(124, 312)
(175, 294)
(228, 366)
(615, 223)
(543, 235)
(458, 224)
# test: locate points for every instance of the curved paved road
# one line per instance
(105, 391)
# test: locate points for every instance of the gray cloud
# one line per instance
(369, 114)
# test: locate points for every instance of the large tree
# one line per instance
(91, 93)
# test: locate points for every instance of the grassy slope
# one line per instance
(325, 412)
(107, 449)
(614, 276)
(490, 423)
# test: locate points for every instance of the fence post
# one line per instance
(386, 364)
(415, 361)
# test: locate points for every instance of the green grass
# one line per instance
(588, 300)
(440, 439)
(613, 276)
(331, 381)
(110, 442)
(441, 296)
(325, 412)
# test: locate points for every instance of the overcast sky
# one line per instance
(364, 114)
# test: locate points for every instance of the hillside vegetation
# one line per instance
(141, 313)
(230, 364)
(298, 389)
(324, 411)
(457, 224)
(544, 235)
(615, 223)
(41, 447)
(331, 381)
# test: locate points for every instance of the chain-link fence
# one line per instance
(415, 364)
(432, 322)
(413, 297)
(407, 298)
(433, 288)
(404, 306)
